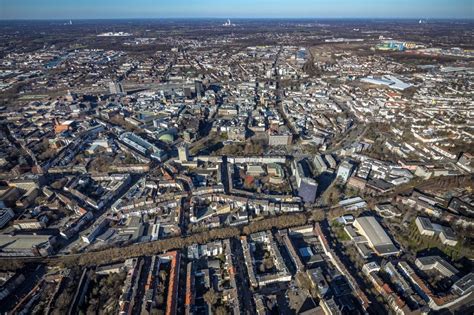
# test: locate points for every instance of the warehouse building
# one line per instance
(378, 240)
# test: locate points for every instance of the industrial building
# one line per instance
(26, 245)
(387, 80)
(378, 240)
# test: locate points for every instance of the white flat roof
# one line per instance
(371, 228)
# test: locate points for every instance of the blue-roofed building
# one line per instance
(305, 252)
(301, 54)
(307, 189)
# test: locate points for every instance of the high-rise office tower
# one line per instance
(183, 152)
(199, 87)
(116, 88)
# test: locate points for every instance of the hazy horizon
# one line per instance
(243, 9)
(241, 19)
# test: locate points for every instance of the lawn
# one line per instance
(416, 242)
(338, 230)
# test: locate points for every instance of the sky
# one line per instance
(97, 9)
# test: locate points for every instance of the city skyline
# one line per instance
(53, 9)
(224, 157)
